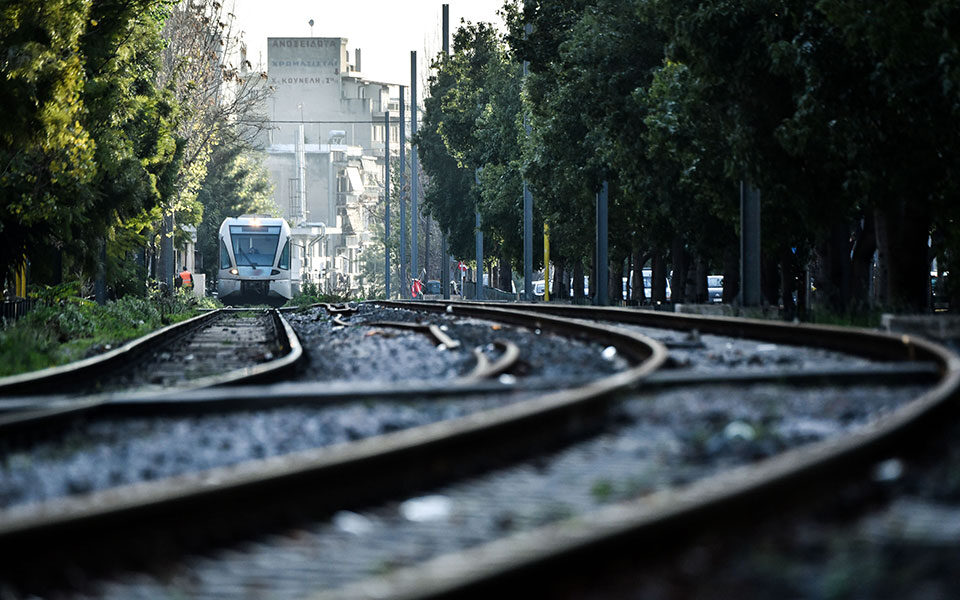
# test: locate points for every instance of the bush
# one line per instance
(64, 327)
(310, 294)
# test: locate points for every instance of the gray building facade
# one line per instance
(325, 154)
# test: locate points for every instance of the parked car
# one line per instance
(714, 288)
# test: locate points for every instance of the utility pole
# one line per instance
(445, 269)
(527, 204)
(546, 263)
(414, 208)
(404, 286)
(478, 293)
(386, 197)
(749, 245)
(603, 264)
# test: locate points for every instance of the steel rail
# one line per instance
(582, 544)
(106, 527)
(278, 395)
(63, 376)
(433, 331)
(485, 369)
(852, 340)
(34, 411)
(336, 310)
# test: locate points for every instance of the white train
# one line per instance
(255, 261)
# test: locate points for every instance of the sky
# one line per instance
(385, 30)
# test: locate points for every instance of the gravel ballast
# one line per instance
(654, 442)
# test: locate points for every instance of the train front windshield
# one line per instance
(255, 246)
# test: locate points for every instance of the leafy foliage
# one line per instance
(842, 112)
(236, 183)
(64, 328)
(310, 294)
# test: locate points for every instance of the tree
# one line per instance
(88, 132)
(473, 128)
(220, 97)
(236, 183)
(45, 152)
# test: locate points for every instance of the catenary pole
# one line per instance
(445, 269)
(603, 264)
(386, 199)
(404, 284)
(478, 293)
(749, 245)
(414, 208)
(546, 263)
(527, 204)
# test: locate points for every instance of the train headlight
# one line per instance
(234, 271)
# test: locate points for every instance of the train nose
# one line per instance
(254, 288)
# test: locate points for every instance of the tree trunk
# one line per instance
(593, 276)
(678, 283)
(769, 280)
(700, 282)
(861, 267)
(506, 273)
(426, 248)
(166, 256)
(906, 228)
(787, 283)
(636, 274)
(578, 279)
(560, 290)
(731, 274)
(832, 277)
(615, 283)
(658, 283)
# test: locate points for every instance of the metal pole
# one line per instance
(546, 263)
(749, 245)
(386, 196)
(527, 205)
(446, 29)
(403, 203)
(602, 260)
(414, 208)
(445, 272)
(478, 293)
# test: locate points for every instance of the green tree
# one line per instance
(46, 154)
(473, 128)
(236, 183)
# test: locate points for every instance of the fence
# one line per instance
(11, 310)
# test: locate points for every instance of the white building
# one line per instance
(325, 154)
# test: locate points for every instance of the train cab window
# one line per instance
(284, 262)
(254, 245)
(224, 256)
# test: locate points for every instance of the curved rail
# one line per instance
(323, 479)
(56, 378)
(484, 369)
(663, 517)
(32, 411)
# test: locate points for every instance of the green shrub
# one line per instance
(64, 327)
(310, 294)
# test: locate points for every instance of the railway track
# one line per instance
(221, 347)
(341, 492)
